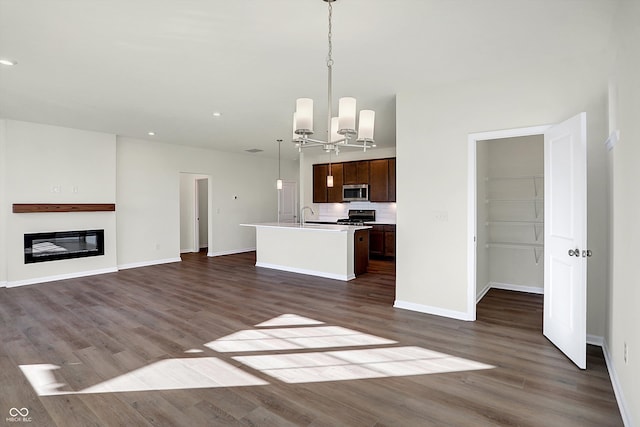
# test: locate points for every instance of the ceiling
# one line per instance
(129, 67)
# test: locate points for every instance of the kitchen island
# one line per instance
(333, 251)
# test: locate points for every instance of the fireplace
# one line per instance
(57, 245)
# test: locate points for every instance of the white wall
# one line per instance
(3, 207)
(432, 174)
(50, 164)
(148, 197)
(623, 313)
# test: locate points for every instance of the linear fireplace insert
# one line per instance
(40, 247)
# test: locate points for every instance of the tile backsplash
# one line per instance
(385, 212)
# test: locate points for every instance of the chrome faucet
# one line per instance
(302, 214)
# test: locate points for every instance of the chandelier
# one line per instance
(341, 129)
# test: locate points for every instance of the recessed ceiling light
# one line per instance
(5, 61)
(254, 150)
(217, 114)
(151, 133)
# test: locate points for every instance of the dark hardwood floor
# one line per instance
(182, 345)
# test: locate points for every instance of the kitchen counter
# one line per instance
(325, 250)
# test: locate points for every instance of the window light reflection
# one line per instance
(358, 364)
(294, 339)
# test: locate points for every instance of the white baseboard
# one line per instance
(13, 284)
(517, 288)
(148, 263)
(460, 315)
(617, 388)
(3, 284)
(230, 252)
(482, 293)
(185, 251)
(595, 340)
(342, 277)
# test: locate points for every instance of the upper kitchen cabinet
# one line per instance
(379, 180)
(334, 194)
(380, 174)
(392, 180)
(320, 173)
(356, 172)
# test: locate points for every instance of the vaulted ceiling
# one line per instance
(129, 67)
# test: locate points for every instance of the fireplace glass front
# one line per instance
(40, 247)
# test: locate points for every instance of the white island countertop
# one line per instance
(310, 226)
(325, 250)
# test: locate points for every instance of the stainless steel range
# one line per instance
(358, 217)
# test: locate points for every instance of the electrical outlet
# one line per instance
(625, 353)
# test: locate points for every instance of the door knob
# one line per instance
(587, 253)
(574, 252)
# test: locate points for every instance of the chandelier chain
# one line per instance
(329, 35)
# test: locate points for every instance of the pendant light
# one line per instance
(347, 136)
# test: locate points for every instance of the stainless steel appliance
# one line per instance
(358, 217)
(355, 192)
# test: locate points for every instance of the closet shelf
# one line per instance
(530, 199)
(511, 222)
(515, 245)
(513, 178)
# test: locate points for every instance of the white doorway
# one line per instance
(288, 202)
(195, 216)
(564, 231)
(201, 209)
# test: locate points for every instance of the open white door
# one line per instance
(565, 237)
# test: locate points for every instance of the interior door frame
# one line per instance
(472, 202)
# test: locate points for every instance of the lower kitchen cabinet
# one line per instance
(361, 251)
(382, 241)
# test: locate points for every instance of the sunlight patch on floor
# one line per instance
(289, 320)
(169, 374)
(294, 339)
(386, 360)
(358, 364)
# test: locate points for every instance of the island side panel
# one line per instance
(315, 252)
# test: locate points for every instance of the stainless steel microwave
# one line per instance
(355, 192)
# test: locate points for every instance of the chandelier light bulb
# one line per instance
(347, 116)
(335, 136)
(366, 125)
(304, 116)
(330, 181)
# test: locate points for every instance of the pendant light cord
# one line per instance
(329, 72)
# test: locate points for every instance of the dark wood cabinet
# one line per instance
(320, 183)
(390, 240)
(350, 171)
(356, 172)
(376, 240)
(379, 180)
(334, 194)
(392, 180)
(380, 174)
(382, 241)
(361, 251)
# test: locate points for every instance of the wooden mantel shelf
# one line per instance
(63, 207)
